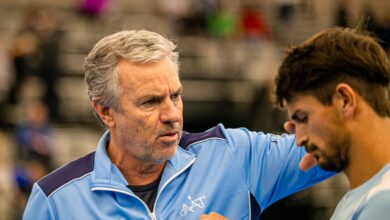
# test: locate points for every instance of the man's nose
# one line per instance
(301, 137)
(169, 112)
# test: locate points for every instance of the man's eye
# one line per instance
(148, 102)
(302, 119)
(175, 96)
(299, 118)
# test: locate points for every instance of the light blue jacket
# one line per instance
(234, 172)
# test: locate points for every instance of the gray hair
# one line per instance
(139, 46)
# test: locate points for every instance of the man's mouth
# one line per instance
(315, 155)
(313, 151)
(169, 137)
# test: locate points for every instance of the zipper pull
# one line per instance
(153, 216)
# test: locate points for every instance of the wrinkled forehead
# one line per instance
(153, 75)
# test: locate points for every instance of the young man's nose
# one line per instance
(301, 136)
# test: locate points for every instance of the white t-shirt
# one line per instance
(371, 200)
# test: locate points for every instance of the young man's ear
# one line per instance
(346, 99)
(104, 113)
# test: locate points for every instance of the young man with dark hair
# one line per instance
(335, 88)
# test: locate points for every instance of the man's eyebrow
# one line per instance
(159, 96)
(150, 97)
(179, 90)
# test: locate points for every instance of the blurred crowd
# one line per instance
(30, 71)
(31, 60)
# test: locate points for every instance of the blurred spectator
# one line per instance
(284, 25)
(6, 74)
(6, 191)
(7, 186)
(36, 53)
(385, 34)
(174, 9)
(265, 116)
(285, 10)
(342, 14)
(25, 175)
(92, 8)
(33, 136)
(23, 53)
(253, 26)
(379, 27)
(33, 153)
(222, 23)
(189, 16)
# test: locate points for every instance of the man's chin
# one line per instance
(329, 166)
(168, 154)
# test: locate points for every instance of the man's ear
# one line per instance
(104, 113)
(346, 99)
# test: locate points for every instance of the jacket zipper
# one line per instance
(151, 214)
(170, 180)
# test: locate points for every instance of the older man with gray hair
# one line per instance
(145, 166)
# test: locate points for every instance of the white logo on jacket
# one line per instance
(193, 204)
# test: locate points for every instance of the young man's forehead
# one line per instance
(301, 101)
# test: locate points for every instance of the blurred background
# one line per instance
(229, 53)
